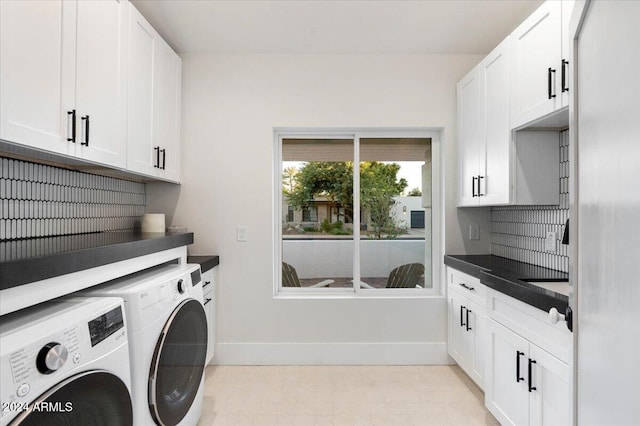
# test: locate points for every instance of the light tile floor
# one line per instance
(342, 395)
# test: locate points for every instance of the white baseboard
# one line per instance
(332, 354)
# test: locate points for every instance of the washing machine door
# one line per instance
(92, 398)
(178, 363)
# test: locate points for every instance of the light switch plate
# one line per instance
(550, 241)
(242, 234)
(474, 232)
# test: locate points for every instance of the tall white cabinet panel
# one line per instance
(37, 73)
(494, 180)
(551, 399)
(155, 83)
(536, 62)
(470, 135)
(100, 81)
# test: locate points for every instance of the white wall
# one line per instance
(230, 105)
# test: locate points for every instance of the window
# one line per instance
(310, 214)
(368, 232)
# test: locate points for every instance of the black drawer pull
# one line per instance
(467, 287)
(518, 378)
(550, 93)
(86, 130)
(207, 301)
(206, 283)
(565, 76)
(480, 194)
(462, 324)
(157, 150)
(531, 388)
(468, 328)
(72, 113)
(473, 186)
(164, 158)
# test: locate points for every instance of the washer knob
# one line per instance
(181, 286)
(51, 357)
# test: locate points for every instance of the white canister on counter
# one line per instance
(153, 222)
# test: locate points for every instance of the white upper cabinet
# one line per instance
(100, 82)
(37, 73)
(484, 133)
(470, 134)
(155, 81)
(538, 63)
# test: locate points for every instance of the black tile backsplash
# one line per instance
(42, 201)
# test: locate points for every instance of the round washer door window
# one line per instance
(92, 398)
(178, 363)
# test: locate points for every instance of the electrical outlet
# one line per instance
(550, 241)
(474, 232)
(242, 234)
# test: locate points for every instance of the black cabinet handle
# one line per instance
(164, 158)
(473, 186)
(72, 113)
(206, 283)
(157, 150)
(462, 324)
(468, 328)
(86, 130)
(531, 388)
(467, 287)
(480, 194)
(207, 301)
(565, 73)
(550, 93)
(518, 378)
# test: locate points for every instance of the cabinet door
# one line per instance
(550, 401)
(457, 328)
(506, 392)
(536, 48)
(494, 170)
(37, 73)
(470, 135)
(476, 341)
(209, 289)
(168, 79)
(143, 45)
(100, 82)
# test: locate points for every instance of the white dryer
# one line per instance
(66, 362)
(168, 342)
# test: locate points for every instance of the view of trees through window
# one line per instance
(318, 209)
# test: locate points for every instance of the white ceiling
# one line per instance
(335, 27)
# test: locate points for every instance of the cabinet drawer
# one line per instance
(531, 323)
(466, 285)
(207, 281)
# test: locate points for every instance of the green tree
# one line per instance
(415, 192)
(334, 181)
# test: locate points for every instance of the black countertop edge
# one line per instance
(505, 275)
(22, 261)
(206, 262)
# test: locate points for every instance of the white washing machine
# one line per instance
(66, 362)
(168, 342)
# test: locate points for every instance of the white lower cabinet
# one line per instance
(525, 384)
(467, 324)
(209, 295)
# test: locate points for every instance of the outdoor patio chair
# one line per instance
(405, 276)
(290, 278)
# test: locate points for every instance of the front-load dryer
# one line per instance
(168, 342)
(66, 362)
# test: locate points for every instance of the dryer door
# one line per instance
(178, 363)
(92, 398)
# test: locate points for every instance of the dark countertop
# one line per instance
(505, 275)
(30, 260)
(206, 262)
